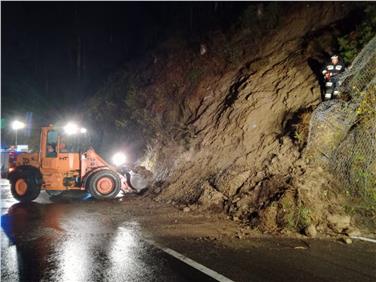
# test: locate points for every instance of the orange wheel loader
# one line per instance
(60, 166)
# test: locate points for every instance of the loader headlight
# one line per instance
(71, 128)
(119, 159)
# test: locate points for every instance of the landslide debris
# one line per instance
(225, 131)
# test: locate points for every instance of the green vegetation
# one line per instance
(367, 106)
(363, 167)
(301, 128)
(295, 215)
(299, 137)
(351, 44)
(303, 217)
(362, 187)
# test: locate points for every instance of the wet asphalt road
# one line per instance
(79, 240)
(70, 241)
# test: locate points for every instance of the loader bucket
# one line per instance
(138, 182)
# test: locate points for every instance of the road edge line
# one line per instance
(198, 266)
(363, 239)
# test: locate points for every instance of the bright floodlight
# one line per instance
(71, 128)
(83, 130)
(17, 125)
(119, 159)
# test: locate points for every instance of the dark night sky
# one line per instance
(57, 54)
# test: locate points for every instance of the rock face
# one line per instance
(224, 140)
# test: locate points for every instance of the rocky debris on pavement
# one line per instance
(157, 190)
(346, 240)
(338, 223)
(211, 199)
(186, 209)
(352, 231)
(310, 231)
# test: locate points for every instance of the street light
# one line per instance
(17, 125)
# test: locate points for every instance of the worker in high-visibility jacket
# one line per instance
(331, 74)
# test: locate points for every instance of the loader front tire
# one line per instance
(25, 184)
(104, 184)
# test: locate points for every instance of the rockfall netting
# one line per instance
(354, 161)
(361, 75)
(342, 134)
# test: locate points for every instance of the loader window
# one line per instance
(72, 143)
(51, 144)
(68, 144)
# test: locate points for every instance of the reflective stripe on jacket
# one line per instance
(333, 69)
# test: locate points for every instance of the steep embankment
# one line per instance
(225, 129)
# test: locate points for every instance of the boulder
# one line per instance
(338, 223)
(310, 231)
(211, 199)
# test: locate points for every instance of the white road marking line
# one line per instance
(364, 239)
(209, 272)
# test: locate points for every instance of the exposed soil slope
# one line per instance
(225, 122)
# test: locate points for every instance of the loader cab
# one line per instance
(54, 141)
(60, 158)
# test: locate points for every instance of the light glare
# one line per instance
(17, 125)
(71, 128)
(119, 159)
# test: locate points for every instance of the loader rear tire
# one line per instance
(25, 184)
(104, 184)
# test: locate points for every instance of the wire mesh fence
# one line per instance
(342, 134)
(354, 161)
(362, 72)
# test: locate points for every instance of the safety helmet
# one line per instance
(334, 57)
